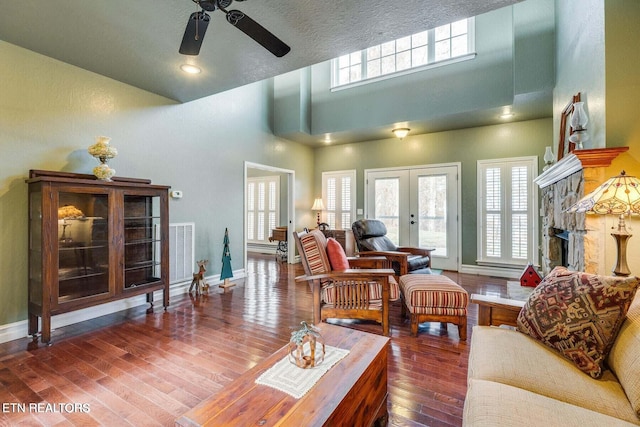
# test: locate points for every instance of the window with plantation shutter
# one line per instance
(339, 193)
(507, 203)
(263, 207)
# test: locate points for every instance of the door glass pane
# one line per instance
(83, 249)
(432, 209)
(141, 240)
(387, 206)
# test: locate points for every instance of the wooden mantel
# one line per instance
(578, 160)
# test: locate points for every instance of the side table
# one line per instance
(496, 311)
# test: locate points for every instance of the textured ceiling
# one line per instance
(136, 42)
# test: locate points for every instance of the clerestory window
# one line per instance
(412, 53)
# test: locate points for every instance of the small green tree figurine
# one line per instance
(226, 262)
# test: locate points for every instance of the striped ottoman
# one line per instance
(434, 298)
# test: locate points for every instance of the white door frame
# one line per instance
(458, 166)
(291, 213)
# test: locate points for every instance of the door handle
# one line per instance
(413, 222)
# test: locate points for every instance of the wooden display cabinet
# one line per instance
(92, 242)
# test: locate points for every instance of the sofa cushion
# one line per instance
(491, 404)
(337, 257)
(509, 357)
(624, 357)
(578, 314)
(314, 245)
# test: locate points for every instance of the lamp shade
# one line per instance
(618, 195)
(69, 212)
(318, 205)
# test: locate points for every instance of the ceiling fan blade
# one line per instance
(194, 33)
(258, 33)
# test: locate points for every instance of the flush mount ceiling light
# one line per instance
(191, 69)
(401, 132)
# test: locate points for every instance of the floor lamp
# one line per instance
(620, 196)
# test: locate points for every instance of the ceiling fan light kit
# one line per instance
(199, 21)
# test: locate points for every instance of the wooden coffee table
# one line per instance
(352, 392)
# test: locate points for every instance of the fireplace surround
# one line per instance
(561, 186)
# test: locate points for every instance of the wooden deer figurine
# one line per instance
(198, 284)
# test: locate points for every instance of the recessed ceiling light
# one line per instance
(191, 69)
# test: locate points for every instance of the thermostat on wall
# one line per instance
(176, 194)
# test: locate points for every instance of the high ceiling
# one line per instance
(136, 42)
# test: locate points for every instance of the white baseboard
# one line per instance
(17, 330)
(262, 248)
(508, 273)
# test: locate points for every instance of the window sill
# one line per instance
(514, 266)
(462, 58)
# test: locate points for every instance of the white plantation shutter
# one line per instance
(338, 192)
(507, 229)
(519, 217)
(263, 207)
(493, 203)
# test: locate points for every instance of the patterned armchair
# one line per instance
(355, 288)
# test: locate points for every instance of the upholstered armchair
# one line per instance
(371, 239)
(345, 288)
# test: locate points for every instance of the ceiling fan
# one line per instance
(198, 22)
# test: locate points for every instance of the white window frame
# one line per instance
(334, 210)
(505, 166)
(430, 63)
(270, 206)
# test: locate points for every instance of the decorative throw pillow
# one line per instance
(578, 314)
(337, 257)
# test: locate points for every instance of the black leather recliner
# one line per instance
(371, 239)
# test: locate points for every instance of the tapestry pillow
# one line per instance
(337, 257)
(578, 314)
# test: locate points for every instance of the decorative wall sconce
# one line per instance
(318, 206)
(579, 122)
(549, 157)
(401, 132)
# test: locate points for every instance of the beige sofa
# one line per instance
(514, 380)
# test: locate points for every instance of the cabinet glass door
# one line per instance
(35, 246)
(83, 245)
(141, 240)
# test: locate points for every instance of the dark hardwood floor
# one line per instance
(135, 369)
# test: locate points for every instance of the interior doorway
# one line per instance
(280, 206)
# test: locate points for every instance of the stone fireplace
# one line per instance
(580, 235)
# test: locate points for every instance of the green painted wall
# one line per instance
(622, 77)
(466, 146)
(580, 64)
(50, 112)
(597, 56)
(418, 96)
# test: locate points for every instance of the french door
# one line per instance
(420, 207)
